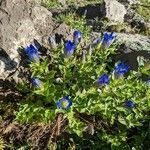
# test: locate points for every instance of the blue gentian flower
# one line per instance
(129, 104)
(69, 48)
(36, 82)
(52, 42)
(148, 82)
(64, 103)
(32, 52)
(77, 35)
(121, 68)
(103, 79)
(108, 39)
(97, 43)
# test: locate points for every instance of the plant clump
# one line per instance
(81, 82)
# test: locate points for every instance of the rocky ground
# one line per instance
(26, 21)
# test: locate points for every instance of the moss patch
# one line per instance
(143, 9)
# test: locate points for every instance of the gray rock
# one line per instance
(133, 1)
(133, 47)
(64, 30)
(34, 2)
(136, 21)
(135, 42)
(115, 11)
(129, 1)
(21, 21)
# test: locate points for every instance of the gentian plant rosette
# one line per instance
(64, 103)
(95, 93)
(69, 48)
(103, 80)
(77, 35)
(36, 82)
(32, 52)
(108, 39)
(121, 68)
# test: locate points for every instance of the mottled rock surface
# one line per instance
(21, 21)
(115, 11)
(64, 31)
(136, 42)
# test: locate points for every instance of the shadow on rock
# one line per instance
(9, 63)
(131, 58)
(92, 11)
(8, 91)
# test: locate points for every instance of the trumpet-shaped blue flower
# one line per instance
(148, 82)
(64, 103)
(32, 52)
(121, 69)
(36, 82)
(77, 35)
(129, 104)
(69, 48)
(103, 79)
(97, 41)
(108, 39)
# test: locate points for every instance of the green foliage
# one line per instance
(144, 65)
(75, 124)
(1, 144)
(34, 112)
(51, 3)
(56, 3)
(87, 2)
(143, 9)
(119, 27)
